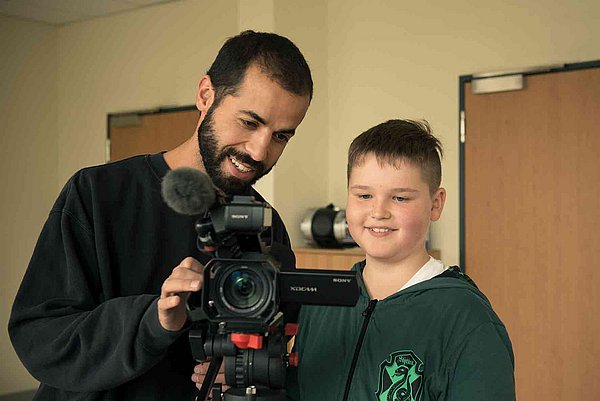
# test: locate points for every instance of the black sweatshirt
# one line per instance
(85, 321)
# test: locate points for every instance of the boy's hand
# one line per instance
(200, 371)
(185, 278)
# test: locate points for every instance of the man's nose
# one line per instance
(257, 145)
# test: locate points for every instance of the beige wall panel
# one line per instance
(132, 61)
(301, 174)
(390, 59)
(28, 131)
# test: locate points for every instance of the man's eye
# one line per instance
(281, 137)
(249, 123)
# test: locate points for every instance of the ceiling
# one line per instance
(60, 12)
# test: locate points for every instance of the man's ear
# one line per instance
(206, 94)
(437, 206)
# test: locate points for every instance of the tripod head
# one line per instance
(255, 364)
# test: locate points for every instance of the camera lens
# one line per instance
(242, 289)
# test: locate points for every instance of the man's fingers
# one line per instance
(169, 302)
(200, 371)
(199, 379)
(176, 285)
(184, 279)
(192, 264)
(201, 368)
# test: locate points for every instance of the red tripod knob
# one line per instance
(245, 341)
(293, 359)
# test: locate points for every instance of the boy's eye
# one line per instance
(364, 196)
(400, 199)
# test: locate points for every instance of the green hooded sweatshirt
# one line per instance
(437, 340)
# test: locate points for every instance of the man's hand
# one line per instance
(200, 371)
(185, 278)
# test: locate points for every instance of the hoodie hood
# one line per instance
(452, 278)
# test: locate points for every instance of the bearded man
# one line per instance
(101, 311)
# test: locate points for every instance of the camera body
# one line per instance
(237, 317)
(250, 284)
(244, 285)
(241, 293)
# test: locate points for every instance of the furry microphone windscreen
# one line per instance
(188, 191)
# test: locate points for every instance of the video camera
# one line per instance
(238, 314)
(244, 284)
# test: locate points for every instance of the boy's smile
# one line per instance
(389, 210)
(380, 231)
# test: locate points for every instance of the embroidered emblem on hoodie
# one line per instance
(400, 377)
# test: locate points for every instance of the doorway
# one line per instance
(530, 219)
(149, 131)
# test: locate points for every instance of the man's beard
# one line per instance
(213, 157)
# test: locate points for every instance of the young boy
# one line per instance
(420, 331)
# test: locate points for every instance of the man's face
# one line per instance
(242, 138)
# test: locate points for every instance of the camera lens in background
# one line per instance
(243, 289)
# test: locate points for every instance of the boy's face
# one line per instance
(389, 210)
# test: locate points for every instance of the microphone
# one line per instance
(188, 191)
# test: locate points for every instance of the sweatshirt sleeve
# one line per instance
(484, 368)
(62, 329)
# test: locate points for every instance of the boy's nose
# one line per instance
(258, 145)
(380, 211)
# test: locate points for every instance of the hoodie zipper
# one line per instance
(363, 330)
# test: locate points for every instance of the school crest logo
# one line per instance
(400, 377)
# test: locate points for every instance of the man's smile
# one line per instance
(240, 166)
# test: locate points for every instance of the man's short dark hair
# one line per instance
(396, 141)
(276, 56)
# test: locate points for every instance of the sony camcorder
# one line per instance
(238, 317)
(244, 284)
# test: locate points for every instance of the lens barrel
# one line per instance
(242, 289)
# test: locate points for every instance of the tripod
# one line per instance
(255, 364)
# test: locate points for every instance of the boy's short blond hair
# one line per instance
(397, 141)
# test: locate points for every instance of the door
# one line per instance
(143, 132)
(530, 223)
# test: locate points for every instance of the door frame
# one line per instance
(462, 126)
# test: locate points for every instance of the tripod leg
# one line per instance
(209, 379)
(217, 392)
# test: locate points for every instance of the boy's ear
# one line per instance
(206, 94)
(437, 206)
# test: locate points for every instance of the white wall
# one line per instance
(28, 130)
(371, 61)
(390, 59)
(137, 60)
(300, 175)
